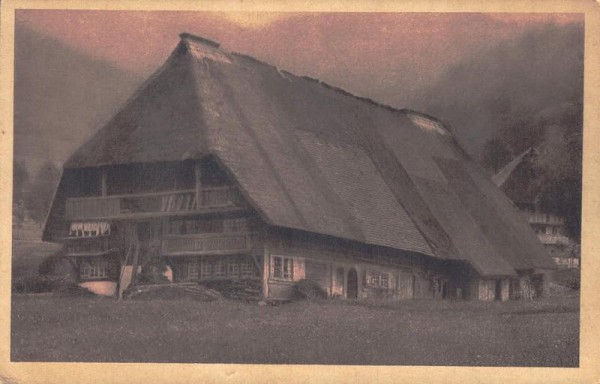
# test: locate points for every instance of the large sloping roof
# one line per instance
(312, 157)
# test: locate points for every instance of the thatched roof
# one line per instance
(312, 157)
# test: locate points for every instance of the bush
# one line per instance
(68, 288)
(48, 264)
(570, 278)
(168, 292)
(310, 290)
(49, 284)
(35, 284)
(237, 289)
(153, 272)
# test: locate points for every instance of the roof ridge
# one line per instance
(188, 36)
(199, 39)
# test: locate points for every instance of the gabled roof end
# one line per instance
(188, 36)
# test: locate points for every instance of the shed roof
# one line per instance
(313, 157)
(503, 174)
(519, 179)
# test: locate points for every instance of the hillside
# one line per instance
(61, 97)
(513, 91)
(524, 93)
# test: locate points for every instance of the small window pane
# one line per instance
(220, 268)
(233, 268)
(288, 269)
(206, 268)
(278, 267)
(247, 268)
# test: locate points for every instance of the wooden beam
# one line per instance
(266, 270)
(330, 264)
(198, 177)
(258, 266)
(103, 182)
(136, 255)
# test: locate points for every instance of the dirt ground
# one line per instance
(414, 332)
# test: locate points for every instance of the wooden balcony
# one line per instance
(543, 218)
(554, 239)
(152, 204)
(207, 244)
(86, 246)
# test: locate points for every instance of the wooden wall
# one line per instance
(329, 262)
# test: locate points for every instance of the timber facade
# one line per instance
(224, 168)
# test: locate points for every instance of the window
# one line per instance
(237, 225)
(193, 268)
(220, 268)
(247, 267)
(557, 260)
(206, 268)
(228, 266)
(188, 226)
(405, 284)
(376, 279)
(93, 269)
(233, 268)
(283, 268)
(186, 270)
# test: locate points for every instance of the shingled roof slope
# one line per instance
(312, 157)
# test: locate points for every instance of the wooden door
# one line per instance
(352, 291)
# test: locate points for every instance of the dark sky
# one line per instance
(384, 56)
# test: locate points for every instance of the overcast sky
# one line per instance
(385, 56)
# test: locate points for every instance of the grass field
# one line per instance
(49, 328)
(537, 333)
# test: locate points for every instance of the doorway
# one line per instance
(338, 282)
(352, 283)
(147, 252)
(445, 290)
(498, 290)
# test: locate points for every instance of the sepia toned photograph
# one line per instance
(306, 188)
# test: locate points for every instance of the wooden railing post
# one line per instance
(103, 185)
(198, 173)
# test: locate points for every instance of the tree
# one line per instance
(20, 187)
(40, 194)
(562, 197)
(495, 155)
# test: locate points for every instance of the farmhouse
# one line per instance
(225, 168)
(516, 179)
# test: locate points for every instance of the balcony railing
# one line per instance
(207, 244)
(553, 239)
(151, 204)
(86, 246)
(543, 218)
